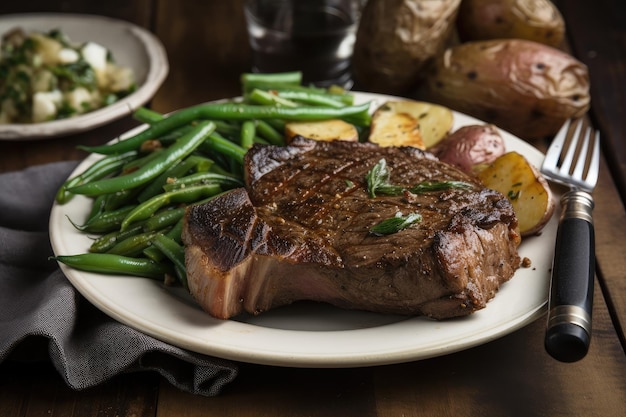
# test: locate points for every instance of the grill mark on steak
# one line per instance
(300, 230)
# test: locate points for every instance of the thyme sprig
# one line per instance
(395, 224)
(378, 183)
(377, 177)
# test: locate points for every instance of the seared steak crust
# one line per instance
(300, 230)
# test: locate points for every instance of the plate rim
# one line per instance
(157, 71)
(326, 359)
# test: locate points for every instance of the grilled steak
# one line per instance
(300, 230)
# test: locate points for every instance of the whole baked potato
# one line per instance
(525, 87)
(535, 20)
(397, 38)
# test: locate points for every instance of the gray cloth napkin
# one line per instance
(85, 346)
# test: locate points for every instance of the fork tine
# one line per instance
(594, 165)
(570, 157)
(573, 158)
(581, 161)
(551, 159)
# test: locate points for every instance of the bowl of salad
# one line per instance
(66, 73)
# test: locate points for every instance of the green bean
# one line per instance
(228, 181)
(105, 222)
(119, 199)
(234, 111)
(99, 169)
(134, 142)
(221, 127)
(235, 167)
(153, 254)
(107, 241)
(145, 115)
(270, 86)
(106, 263)
(156, 186)
(258, 139)
(316, 96)
(226, 128)
(174, 233)
(174, 134)
(136, 163)
(248, 131)
(266, 98)
(163, 219)
(98, 207)
(94, 169)
(133, 245)
(219, 170)
(293, 78)
(183, 147)
(221, 145)
(268, 132)
(315, 99)
(202, 163)
(281, 85)
(183, 195)
(277, 124)
(175, 253)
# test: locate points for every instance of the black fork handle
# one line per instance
(568, 332)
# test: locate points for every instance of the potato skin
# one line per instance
(534, 20)
(396, 39)
(522, 86)
(471, 147)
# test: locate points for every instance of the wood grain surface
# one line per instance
(207, 47)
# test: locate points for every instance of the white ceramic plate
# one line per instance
(130, 45)
(309, 334)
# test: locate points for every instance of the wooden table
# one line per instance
(511, 376)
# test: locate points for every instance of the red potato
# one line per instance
(534, 20)
(524, 87)
(471, 147)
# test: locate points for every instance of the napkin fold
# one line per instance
(86, 346)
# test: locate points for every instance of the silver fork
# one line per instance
(573, 159)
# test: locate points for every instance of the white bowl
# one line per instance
(131, 46)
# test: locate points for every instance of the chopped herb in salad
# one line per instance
(45, 76)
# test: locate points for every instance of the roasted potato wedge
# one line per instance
(534, 20)
(410, 123)
(524, 87)
(389, 128)
(529, 192)
(324, 130)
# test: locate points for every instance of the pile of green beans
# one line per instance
(141, 185)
